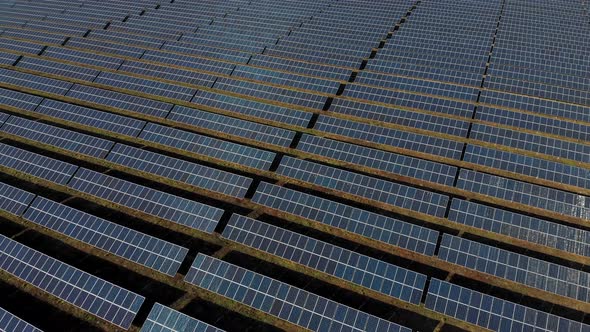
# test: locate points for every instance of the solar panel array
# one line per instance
(379, 147)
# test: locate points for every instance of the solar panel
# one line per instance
(11, 323)
(126, 38)
(149, 201)
(179, 170)
(35, 164)
(20, 46)
(390, 137)
(252, 108)
(367, 224)
(87, 58)
(14, 201)
(57, 137)
(104, 47)
(491, 312)
(34, 82)
(168, 73)
(164, 319)
(210, 147)
(27, 102)
(362, 270)
(519, 268)
(188, 61)
(120, 101)
(145, 86)
(281, 78)
(135, 246)
(236, 127)
(364, 186)
(378, 159)
(8, 59)
(206, 51)
(279, 299)
(36, 36)
(3, 118)
(558, 201)
(91, 117)
(58, 68)
(85, 291)
(300, 67)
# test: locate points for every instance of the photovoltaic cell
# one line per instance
(164, 319)
(153, 202)
(82, 57)
(13, 200)
(36, 165)
(210, 147)
(8, 59)
(19, 100)
(370, 225)
(364, 186)
(58, 68)
(20, 46)
(34, 82)
(145, 86)
(85, 291)
(515, 267)
(510, 190)
(121, 241)
(90, 117)
(491, 312)
(232, 126)
(362, 270)
(58, 137)
(11, 323)
(179, 170)
(281, 300)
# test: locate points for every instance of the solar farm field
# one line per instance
(326, 165)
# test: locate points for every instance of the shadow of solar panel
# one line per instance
(82, 57)
(232, 126)
(34, 82)
(341, 263)
(168, 73)
(491, 312)
(20, 46)
(188, 61)
(286, 79)
(120, 100)
(58, 68)
(85, 291)
(11, 323)
(13, 200)
(367, 224)
(530, 166)
(281, 300)
(145, 86)
(271, 93)
(378, 159)
(179, 170)
(391, 137)
(121, 241)
(558, 201)
(519, 268)
(152, 202)
(27, 102)
(252, 108)
(364, 186)
(534, 230)
(36, 165)
(57, 137)
(210, 147)
(162, 318)
(530, 142)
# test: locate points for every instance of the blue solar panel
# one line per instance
(164, 319)
(179, 170)
(282, 78)
(362, 270)
(82, 57)
(58, 137)
(18, 100)
(152, 202)
(281, 300)
(145, 86)
(390, 137)
(491, 312)
(232, 126)
(34, 82)
(168, 73)
(104, 47)
(207, 146)
(20, 46)
(121, 241)
(58, 68)
(35, 164)
(554, 200)
(8, 59)
(371, 225)
(120, 101)
(13, 200)
(85, 291)
(189, 62)
(364, 186)
(11, 323)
